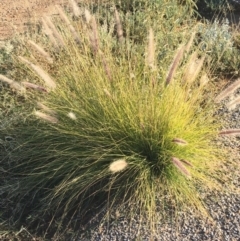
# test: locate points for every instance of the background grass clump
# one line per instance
(217, 36)
(217, 40)
(113, 126)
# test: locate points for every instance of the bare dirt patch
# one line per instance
(15, 15)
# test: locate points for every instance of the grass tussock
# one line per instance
(111, 132)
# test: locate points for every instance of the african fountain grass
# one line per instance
(110, 128)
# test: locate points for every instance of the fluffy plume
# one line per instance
(193, 68)
(6, 80)
(151, 49)
(177, 163)
(49, 33)
(46, 117)
(230, 132)
(119, 26)
(228, 91)
(204, 80)
(106, 68)
(12, 83)
(75, 8)
(87, 16)
(186, 162)
(118, 165)
(174, 65)
(105, 65)
(67, 21)
(34, 86)
(40, 50)
(48, 80)
(179, 141)
(52, 27)
(190, 42)
(94, 36)
(72, 116)
(107, 93)
(132, 76)
(233, 103)
(45, 108)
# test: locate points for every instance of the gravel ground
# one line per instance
(223, 207)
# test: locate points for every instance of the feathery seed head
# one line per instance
(233, 103)
(34, 86)
(46, 117)
(40, 50)
(132, 76)
(193, 69)
(118, 165)
(5, 79)
(49, 33)
(105, 65)
(230, 132)
(107, 93)
(72, 116)
(87, 16)
(119, 26)
(24, 60)
(186, 162)
(54, 30)
(94, 36)
(68, 23)
(174, 65)
(15, 85)
(151, 49)
(204, 80)
(228, 91)
(45, 108)
(41, 73)
(179, 141)
(190, 42)
(177, 163)
(75, 8)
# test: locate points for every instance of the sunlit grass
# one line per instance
(115, 128)
(113, 124)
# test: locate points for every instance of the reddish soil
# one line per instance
(16, 14)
